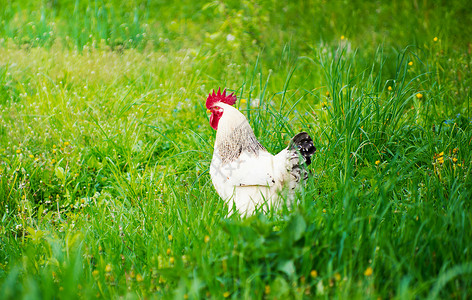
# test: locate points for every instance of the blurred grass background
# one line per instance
(263, 24)
(105, 146)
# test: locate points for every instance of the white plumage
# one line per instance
(243, 172)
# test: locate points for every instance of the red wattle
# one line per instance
(215, 117)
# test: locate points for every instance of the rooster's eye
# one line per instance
(216, 110)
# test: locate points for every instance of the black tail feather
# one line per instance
(303, 143)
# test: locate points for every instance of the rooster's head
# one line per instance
(212, 104)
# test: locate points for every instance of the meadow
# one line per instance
(105, 148)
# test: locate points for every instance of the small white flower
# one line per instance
(230, 37)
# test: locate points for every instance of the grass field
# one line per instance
(105, 147)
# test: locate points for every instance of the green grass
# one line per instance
(105, 147)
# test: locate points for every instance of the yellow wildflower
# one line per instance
(66, 144)
(368, 271)
(18, 151)
(168, 251)
(31, 155)
(419, 95)
(435, 39)
(95, 273)
(169, 237)
(455, 150)
(410, 63)
(313, 273)
(207, 238)
(171, 260)
(327, 94)
(337, 276)
(185, 296)
(389, 88)
(108, 268)
(267, 289)
(342, 37)
(454, 160)
(226, 294)
(377, 162)
(139, 278)
(243, 101)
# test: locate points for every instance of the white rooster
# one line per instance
(243, 172)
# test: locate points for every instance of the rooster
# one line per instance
(243, 172)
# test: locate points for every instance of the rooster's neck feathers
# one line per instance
(241, 139)
(235, 136)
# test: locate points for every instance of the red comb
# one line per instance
(220, 97)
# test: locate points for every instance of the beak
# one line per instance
(208, 111)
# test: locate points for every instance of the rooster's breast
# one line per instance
(248, 181)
